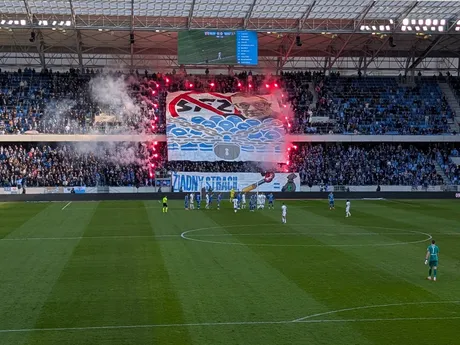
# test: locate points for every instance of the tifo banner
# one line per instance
(246, 182)
(224, 127)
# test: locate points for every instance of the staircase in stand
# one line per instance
(454, 104)
(440, 172)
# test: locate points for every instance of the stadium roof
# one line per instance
(327, 28)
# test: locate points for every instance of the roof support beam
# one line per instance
(360, 20)
(39, 41)
(249, 14)
(433, 44)
(190, 15)
(287, 54)
(396, 27)
(77, 37)
(131, 36)
(305, 16)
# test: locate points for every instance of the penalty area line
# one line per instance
(62, 209)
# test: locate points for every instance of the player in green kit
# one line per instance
(431, 259)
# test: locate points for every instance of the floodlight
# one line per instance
(68, 23)
(54, 22)
(435, 22)
(362, 28)
(374, 27)
(443, 22)
(425, 28)
(382, 27)
(391, 21)
(420, 22)
(403, 28)
(16, 22)
(405, 21)
(409, 28)
(23, 22)
(433, 28)
(413, 22)
(457, 28)
(61, 23)
(417, 28)
(440, 28)
(388, 28)
(3, 21)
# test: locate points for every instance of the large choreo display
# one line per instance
(197, 47)
(224, 127)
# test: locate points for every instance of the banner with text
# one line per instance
(224, 127)
(246, 182)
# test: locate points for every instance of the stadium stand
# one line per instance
(62, 103)
(380, 105)
(365, 164)
(120, 165)
(84, 164)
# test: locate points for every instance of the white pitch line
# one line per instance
(212, 324)
(202, 235)
(66, 205)
(371, 307)
(85, 238)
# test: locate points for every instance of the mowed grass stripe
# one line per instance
(104, 282)
(13, 215)
(30, 270)
(216, 283)
(168, 308)
(404, 262)
(335, 275)
(238, 284)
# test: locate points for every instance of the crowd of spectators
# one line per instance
(383, 164)
(68, 165)
(317, 164)
(54, 102)
(379, 105)
(221, 166)
(451, 168)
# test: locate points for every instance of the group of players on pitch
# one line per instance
(259, 200)
(256, 201)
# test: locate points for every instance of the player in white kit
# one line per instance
(192, 203)
(283, 213)
(243, 201)
(207, 200)
(235, 204)
(347, 209)
(263, 199)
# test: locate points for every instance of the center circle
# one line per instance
(344, 238)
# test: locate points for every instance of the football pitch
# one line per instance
(113, 273)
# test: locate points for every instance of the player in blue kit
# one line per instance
(219, 199)
(271, 200)
(252, 203)
(239, 197)
(186, 202)
(198, 201)
(331, 201)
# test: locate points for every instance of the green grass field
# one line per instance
(195, 48)
(112, 273)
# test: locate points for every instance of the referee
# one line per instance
(165, 204)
